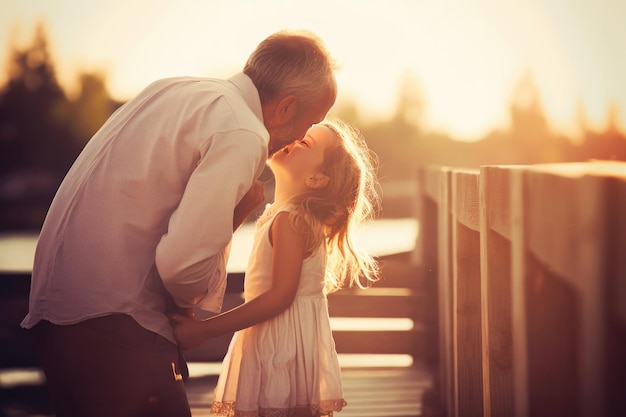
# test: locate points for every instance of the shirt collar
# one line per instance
(249, 93)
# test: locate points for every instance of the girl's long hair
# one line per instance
(332, 213)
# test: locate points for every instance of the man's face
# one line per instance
(285, 135)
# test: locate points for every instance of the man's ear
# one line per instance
(317, 181)
(287, 108)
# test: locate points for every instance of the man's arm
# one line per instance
(191, 257)
(287, 256)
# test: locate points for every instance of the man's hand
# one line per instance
(250, 201)
(188, 331)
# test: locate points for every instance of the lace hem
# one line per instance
(323, 409)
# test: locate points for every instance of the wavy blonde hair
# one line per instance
(332, 213)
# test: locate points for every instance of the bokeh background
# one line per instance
(454, 82)
(462, 83)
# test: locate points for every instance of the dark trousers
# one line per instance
(110, 367)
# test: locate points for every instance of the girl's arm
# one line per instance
(288, 251)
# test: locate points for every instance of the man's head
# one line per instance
(294, 75)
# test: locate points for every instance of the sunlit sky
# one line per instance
(466, 55)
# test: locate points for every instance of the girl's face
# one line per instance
(303, 159)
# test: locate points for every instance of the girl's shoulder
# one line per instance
(271, 211)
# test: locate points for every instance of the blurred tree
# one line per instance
(33, 132)
(91, 108)
(36, 143)
(609, 144)
(42, 132)
(526, 110)
(397, 141)
(530, 132)
(410, 107)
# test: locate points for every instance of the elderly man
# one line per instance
(143, 220)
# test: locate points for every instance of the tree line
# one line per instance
(42, 131)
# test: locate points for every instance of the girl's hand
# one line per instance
(188, 331)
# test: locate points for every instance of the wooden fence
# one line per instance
(371, 390)
(525, 268)
(530, 265)
(397, 295)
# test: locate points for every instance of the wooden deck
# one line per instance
(369, 392)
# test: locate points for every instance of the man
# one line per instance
(144, 218)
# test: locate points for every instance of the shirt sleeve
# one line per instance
(191, 257)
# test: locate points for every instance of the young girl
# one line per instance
(285, 364)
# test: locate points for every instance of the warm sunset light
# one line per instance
(445, 238)
(465, 57)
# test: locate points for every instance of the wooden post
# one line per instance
(496, 291)
(572, 277)
(436, 182)
(466, 294)
(518, 304)
(444, 279)
(433, 212)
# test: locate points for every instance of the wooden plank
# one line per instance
(431, 180)
(495, 183)
(616, 261)
(496, 293)
(392, 296)
(484, 196)
(564, 279)
(467, 335)
(349, 341)
(518, 304)
(497, 327)
(466, 200)
(384, 393)
(564, 229)
(428, 258)
(392, 342)
(572, 217)
(445, 282)
(369, 392)
(400, 271)
(374, 302)
(566, 202)
(615, 377)
(553, 326)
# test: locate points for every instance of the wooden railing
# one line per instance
(398, 295)
(525, 270)
(530, 265)
(371, 390)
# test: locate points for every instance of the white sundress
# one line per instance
(289, 362)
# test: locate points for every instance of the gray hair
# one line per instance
(291, 62)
